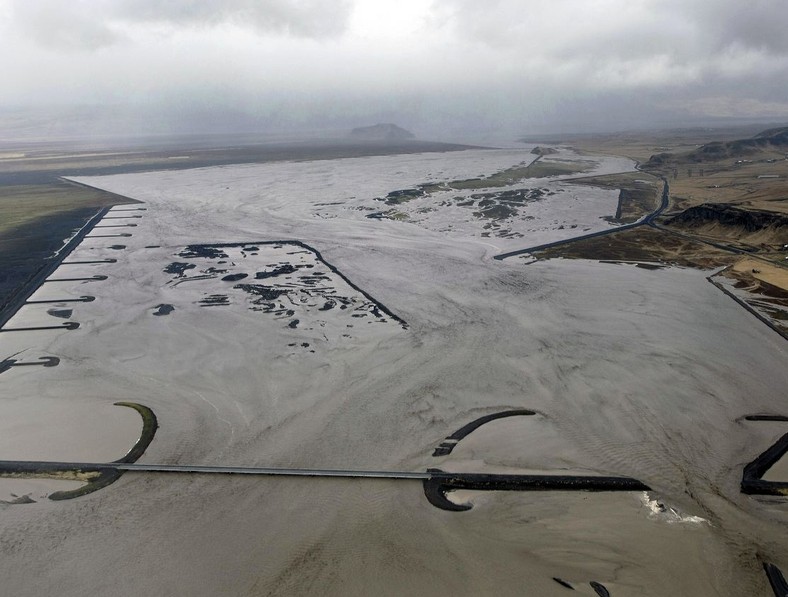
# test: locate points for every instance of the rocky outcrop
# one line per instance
(543, 150)
(730, 216)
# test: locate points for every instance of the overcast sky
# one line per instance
(443, 65)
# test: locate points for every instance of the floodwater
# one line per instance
(632, 372)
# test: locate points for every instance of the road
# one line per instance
(33, 466)
(481, 481)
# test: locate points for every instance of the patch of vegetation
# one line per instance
(515, 174)
(402, 196)
(507, 177)
(149, 426)
(514, 196)
(35, 220)
(496, 212)
(633, 204)
(391, 214)
(642, 244)
(638, 193)
(72, 475)
(23, 204)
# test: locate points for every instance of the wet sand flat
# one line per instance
(643, 373)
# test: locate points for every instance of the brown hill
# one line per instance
(725, 221)
(769, 140)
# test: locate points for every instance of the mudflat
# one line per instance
(612, 369)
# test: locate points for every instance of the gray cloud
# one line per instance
(755, 24)
(92, 24)
(62, 25)
(680, 36)
(445, 65)
(302, 18)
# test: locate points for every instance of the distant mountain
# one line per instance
(381, 132)
(772, 139)
(777, 136)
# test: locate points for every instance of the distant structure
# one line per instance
(381, 132)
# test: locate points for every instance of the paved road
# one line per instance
(480, 481)
(33, 466)
(288, 472)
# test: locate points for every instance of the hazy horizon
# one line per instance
(445, 70)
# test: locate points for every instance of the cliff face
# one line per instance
(730, 216)
(381, 132)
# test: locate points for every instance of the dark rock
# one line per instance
(234, 277)
(215, 300)
(543, 150)
(205, 251)
(563, 583)
(178, 268)
(266, 293)
(728, 215)
(164, 309)
(277, 271)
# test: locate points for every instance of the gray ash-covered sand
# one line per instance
(769, 304)
(287, 280)
(632, 372)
